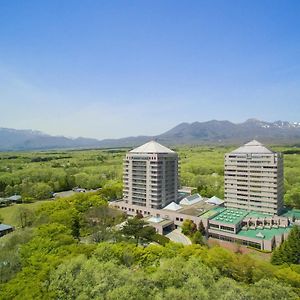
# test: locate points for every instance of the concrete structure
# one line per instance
(254, 179)
(161, 225)
(150, 176)
(261, 231)
(257, 230)
(193, 212)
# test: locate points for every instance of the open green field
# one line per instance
(11, 213)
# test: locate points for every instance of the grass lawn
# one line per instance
(10, 213)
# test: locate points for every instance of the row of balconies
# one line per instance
(249, 167)
(141, 183)
(256, 208)
(249, 172)
(139, 176)
(247, 196)
(246, 199)
(250, 188)
(250, 193)
(263, 190)
(136, 188)
(139, 169)
(262, 203)
(250, 177)
(251, 183)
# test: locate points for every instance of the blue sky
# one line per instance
(110, 69)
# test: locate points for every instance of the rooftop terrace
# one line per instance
(213, 212)
(196, 209)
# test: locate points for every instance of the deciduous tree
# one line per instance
(188, 227)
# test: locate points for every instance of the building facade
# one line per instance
(254, 179)
(150, 176)
(253, 196)
(261, 231)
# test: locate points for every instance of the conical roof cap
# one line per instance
(253, 147)
(152, 147)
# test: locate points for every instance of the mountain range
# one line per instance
(211, 132)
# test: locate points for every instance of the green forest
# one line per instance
(74, 248)
(71, 248)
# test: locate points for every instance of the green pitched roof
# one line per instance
(266, 234)
(231, 216)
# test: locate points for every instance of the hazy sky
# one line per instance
(118, 68)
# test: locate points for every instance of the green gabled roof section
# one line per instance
(266, 234)
(254, 214)
(292, 213)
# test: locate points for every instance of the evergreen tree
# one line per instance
(76, 228)
(202, 228)
(134, 227)
(289, 250)
(197, 238)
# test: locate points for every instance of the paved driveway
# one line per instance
(177, 237)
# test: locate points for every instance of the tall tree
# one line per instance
(188, 227)
(25, 217)
(289, 250)
(135, 227)
(197, 238)
(202, 228)
(75, 227)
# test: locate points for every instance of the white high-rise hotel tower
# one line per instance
(254, 179)
(150, 176)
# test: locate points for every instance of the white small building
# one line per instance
(190, 200)
(14, 198)
(215, 201)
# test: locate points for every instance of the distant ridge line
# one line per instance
(196, 133)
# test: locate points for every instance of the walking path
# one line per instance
(178, 237)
